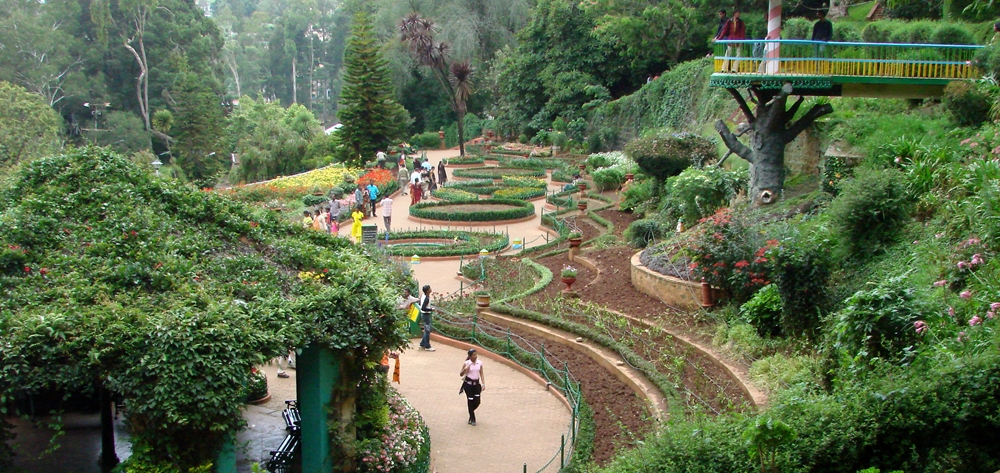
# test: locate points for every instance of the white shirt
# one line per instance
(415, 177)
(380, 155)
(386, 207)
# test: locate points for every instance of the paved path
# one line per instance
(518, 422)
(441, 274)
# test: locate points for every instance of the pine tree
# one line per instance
(371, 116)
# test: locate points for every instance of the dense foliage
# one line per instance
(114, 278)
(29, 129)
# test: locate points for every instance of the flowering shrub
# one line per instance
(323, 177)
(879, 322)
(384, 180)
(402, 443)
(697, 193)
(731, 255)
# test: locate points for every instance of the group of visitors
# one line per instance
(733, 29)
(422, 181)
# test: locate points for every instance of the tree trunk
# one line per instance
(770, 131)
(461, 133)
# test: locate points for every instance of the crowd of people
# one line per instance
(365, 201)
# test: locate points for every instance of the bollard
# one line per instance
(562, 451)
(525, 468)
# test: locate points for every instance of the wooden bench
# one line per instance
(283, 459)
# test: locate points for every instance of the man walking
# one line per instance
(387, 214)
(425, 318)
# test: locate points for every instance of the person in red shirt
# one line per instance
(735, 30)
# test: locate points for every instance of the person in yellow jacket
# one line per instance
(358, 216)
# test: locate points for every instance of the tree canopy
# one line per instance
(115, 278)
(29, 128)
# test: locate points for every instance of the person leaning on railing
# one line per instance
(735, 30)
(822, 31)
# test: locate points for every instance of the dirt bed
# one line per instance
(621, 219)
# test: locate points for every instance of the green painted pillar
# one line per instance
(225, 461)
(317, 371)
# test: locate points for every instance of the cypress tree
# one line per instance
(371, 116)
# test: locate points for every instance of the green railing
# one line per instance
(888, 60)
(536, 358)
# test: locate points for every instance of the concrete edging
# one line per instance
(500, 358)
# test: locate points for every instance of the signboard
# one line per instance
(369, 233)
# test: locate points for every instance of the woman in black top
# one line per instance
(425, 318)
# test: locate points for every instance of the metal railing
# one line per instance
(527, 354)
(888, 60)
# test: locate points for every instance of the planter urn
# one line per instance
(482, 300)
(568, 281)
(575, 242)
(582, 187)
(629, 176)
(581, 205)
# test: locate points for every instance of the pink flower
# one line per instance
(965, 295)
(962, 337)
(990, 314)
(962, 265)
(920, 326)
(995, 306)
(975, 320)
(938, 235)
(941, 283)
(897, 160)
(977, 259)
(951, 311)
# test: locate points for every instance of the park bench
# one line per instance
(283, 459)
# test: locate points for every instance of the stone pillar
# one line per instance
(317, 371)
(441, 136)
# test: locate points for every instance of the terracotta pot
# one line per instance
(575, 242)
(581, 205)
(582, 187)
(629, 176)
(482, 301)
(583, 167)
(569, 283)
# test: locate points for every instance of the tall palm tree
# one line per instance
(455, 77)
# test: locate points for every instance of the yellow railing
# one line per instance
(889, 60)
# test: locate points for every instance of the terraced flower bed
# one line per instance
(522, 193)
(475, 211)
(454, 195)
(497, 172)
(458, 161)
(435, 243)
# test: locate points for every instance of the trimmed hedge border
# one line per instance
(520, 193)
(472, 242)
(429, 210)
(454, 194)
(520, 181)
(458, 161)
(544, 278)
(497, 172)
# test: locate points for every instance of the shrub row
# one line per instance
(458, 160)
(497, 173)
(440, 211)
(522, 193)
(471, 242)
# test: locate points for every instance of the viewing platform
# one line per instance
(880, 70)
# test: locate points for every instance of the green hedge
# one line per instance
(560, 175)
(497, 173)
(544, 278)
(471, 243)
(434, 211)
(454, 195)
(469, 183)
(522, 193)
(457, 161)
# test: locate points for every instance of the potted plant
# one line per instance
(581, 205)
(482, 298)
(568, 274)
(575, 238)
(257, 387)
(581, 185)
(629, 176)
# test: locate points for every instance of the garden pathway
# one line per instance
(441, 275)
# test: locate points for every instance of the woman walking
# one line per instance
(442, 174)
(474, 384)
(358, 216)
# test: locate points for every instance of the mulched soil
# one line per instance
(621, 219)
(620, 416)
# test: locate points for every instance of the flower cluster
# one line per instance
(312, 276)
(569, 272)
(400, 440)
(325, 177)
(730, 255)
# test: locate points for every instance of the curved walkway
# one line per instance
(518, 423)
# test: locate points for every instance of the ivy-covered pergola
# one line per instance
(113, 279)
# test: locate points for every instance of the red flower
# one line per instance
(253, 224)
(27, 269)
(742, 264)
(44, 271)
(158, 266)
(693, 266)
(760, 260)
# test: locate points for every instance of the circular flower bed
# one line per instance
(454, 195)
(443, 243)
(497, 173)
(475, 211)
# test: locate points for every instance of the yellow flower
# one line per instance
(325, 177)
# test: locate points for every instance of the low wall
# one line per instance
(672, 291)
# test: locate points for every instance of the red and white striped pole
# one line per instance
(772, 51)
